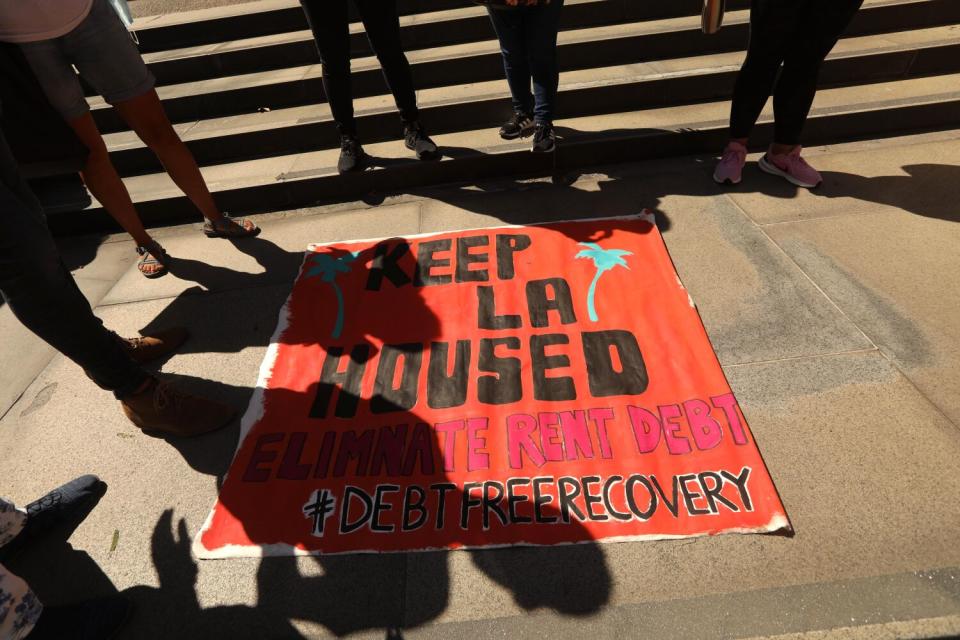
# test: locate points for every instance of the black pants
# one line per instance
(330, 22)
(44, 296)
(792, 38)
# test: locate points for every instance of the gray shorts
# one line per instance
(104, 54)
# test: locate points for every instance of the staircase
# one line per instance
(638, 81)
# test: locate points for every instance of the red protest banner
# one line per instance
(518, 385)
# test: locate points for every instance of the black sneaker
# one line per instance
(352, 156)
(544, 139)
(65, 507)
(416, 139)
(519, 126)
(88, 620)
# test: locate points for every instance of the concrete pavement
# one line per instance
(834, 315)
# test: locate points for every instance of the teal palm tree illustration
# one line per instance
(327, 268)
(603, 260)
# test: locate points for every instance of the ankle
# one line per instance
(143, 240)
(777, 149)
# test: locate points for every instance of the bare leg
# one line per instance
(106, 186)
(103, 181)
(146, 116)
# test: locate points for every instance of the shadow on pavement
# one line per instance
(343, 593)
(929, 190)
(391, 592)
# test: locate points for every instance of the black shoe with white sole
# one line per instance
(352, 155)
(417, 140)
(519, 126)
(544, 139)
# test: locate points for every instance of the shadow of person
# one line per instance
(173, 609)
(245, 324)
(929, 190)
(609, 195)
(357, 592)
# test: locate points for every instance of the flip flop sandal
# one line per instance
(148, 258)
(230, 228)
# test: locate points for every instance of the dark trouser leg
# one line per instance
(508, 25)
(816, 35)
(382, 23)
(540, 31)
(772, 24)
(330, 22)
(44, 296)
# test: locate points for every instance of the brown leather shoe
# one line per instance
(157, 345)
(163, 410)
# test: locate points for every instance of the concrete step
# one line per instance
(592, 91)
(270, 17)
(246, 20)
(290, 181)
(635, 42)
(425, 30)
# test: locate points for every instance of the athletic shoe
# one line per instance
(416, 139)
(98, 619)
(162, 409)
(158, 345)
(352, 156)
(65, 506)
(730, 167)
(792, 168)
(519, 126)
(544, 139)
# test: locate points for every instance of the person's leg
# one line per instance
(21, 613)
(53, 69)
(20, 609)
(330, 22)
(772, 22)
(44, 296)
(146, 117)
(59, 510)
(382, 23)
(814, 38)
(540, 28)
(815, 33)
(508, 25)
(103, 53)
(104, 182)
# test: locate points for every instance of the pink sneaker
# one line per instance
(791, 167)
(730, 167)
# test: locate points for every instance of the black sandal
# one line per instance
(228, 227)
(152, 254)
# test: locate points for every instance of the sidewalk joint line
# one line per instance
(920, 391)
(803, 357)
(805, 274)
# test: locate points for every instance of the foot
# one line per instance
(519, 126)
(792, 168)
(65, 506)
(352, 155)
(160, 344)
(161, 409)
(88, 620)
(416, 139)
(730, 168)
(227, 227)
(544, 139)
(153, 259)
